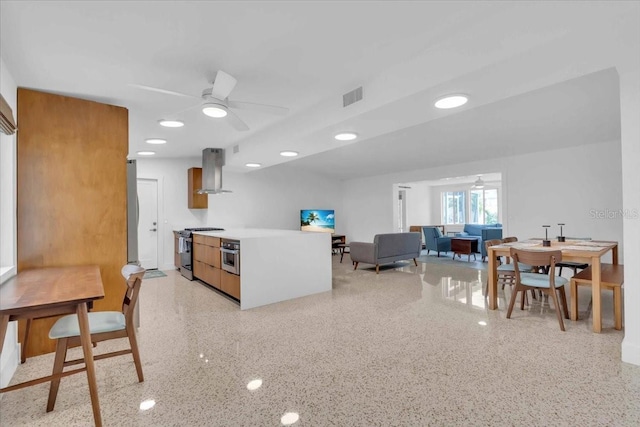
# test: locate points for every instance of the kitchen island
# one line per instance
(279, 265)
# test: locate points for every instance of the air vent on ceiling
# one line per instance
(236, 149)
(352, 97)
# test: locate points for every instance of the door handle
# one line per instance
(153, 229)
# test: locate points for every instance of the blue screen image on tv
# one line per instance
(322, 220)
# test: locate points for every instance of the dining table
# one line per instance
(583, 251)
(53, 291)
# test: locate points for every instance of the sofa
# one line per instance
(435, 241)
(386, 248)
(482, 232)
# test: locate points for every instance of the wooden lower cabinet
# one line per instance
(212, 276)
(230, 284)
(206, 262)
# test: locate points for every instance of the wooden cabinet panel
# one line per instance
(216, 257)
(200, 252)
(195, 200)
(206, 240)
(71, 193)
(213, 276)
(199, 270)
(230, 284)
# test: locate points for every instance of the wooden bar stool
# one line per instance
(612, 278)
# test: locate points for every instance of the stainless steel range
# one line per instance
(186, 249)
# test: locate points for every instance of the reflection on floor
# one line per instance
(411, 346)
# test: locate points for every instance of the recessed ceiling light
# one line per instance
(451, 101)
(289, 153)
(253, 165)
(214, 110)
(171, 123)
(346, 136)
(146, 153)
(155, 141)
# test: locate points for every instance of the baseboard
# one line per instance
(630, 352)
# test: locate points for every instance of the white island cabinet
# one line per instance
(279, 265)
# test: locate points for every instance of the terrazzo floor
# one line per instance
(411, 346)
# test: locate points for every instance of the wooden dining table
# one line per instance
(52, 291)
(583, 251)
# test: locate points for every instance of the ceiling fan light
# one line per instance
(346, 136)
(478, 184)
(451, 101)
(217, 111)
(171, 123)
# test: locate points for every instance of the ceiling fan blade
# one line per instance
(271, 109)
(223, 85)
(236, 121)
(166, 92)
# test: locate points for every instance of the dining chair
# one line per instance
(506, 271)
(103, 325)
(547, 282)
(575, 266)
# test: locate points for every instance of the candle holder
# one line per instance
(546, 241)
(561, 238)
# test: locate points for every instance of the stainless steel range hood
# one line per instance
(212, 162)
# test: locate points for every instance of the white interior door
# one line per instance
(148, 223)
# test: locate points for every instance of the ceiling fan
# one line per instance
(216, 102)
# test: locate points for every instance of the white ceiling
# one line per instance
(304, 56)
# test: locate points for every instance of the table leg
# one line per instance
(493, 282)
(595, 294)
(85, 338)
(614, 255)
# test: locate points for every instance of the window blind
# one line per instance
(7, 124)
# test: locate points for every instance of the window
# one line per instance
(481, 205)
(453, 207)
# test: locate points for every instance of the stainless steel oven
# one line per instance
(230, 254)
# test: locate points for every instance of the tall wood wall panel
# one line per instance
(72, 193)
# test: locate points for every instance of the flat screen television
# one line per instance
(321, 220)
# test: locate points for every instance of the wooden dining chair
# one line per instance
(505, 271)
(575, 266)
(547, 282)
(104, 325)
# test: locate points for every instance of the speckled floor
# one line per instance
(412, 346)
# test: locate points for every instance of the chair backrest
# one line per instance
(537, 258)
(491, 242)
(510, 239)
(133, 275)
(431, 232)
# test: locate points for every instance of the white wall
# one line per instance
(550, 187)
(10, 351)
(419, 204)
(267, 198)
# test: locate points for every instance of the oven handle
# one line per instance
(230, 251)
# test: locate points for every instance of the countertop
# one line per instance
(253, 233)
